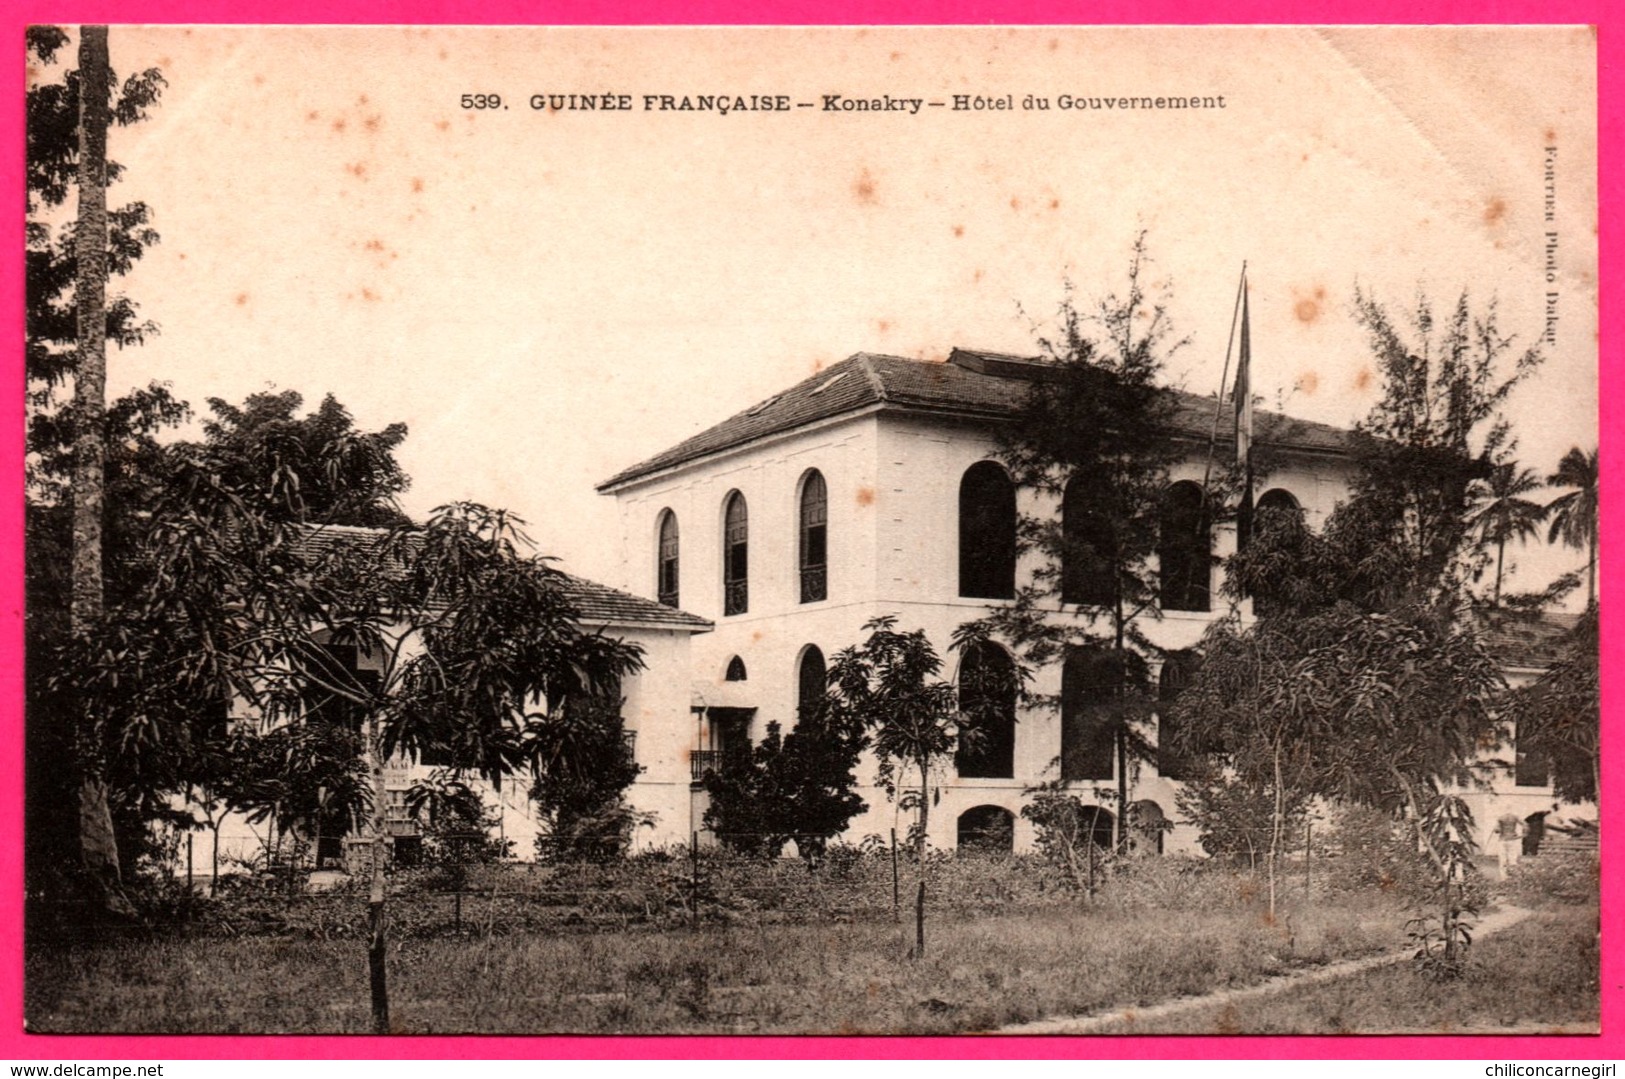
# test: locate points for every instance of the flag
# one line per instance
(1244, 426)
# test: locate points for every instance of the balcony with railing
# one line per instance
(814, 583)
(703, 761)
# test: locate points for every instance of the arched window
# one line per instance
(810, 682)
(987, 697)
(814, 557)
(1184, 548)
(987, 533)
(736, 670)
(1088, 549)
(1178, 669)
(987, 829)
(735, 556)
(1091, 680)
(1278, 515)
(1275, 500)
(666, 576)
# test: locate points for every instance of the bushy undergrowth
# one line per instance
(661, 890)
(1369, 851)
(1566, 877)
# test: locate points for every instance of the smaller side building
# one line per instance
(1518, 813)
(656, 711)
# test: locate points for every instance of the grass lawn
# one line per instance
(1540, 976)
(746, 978)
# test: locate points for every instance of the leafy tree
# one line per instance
(69, 320)
(1558, 717)
(1388, 710)
(889, 686)
(441, 639)
(299, 779)
(1403, 534)
(200, 536)
(1501, 513)
(795, 786)
(1574, 515)
(460, 632)
(1360, 683)
(457, 823)
(1096, 436)
(319, 462)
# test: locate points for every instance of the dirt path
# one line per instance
(1124, 1021)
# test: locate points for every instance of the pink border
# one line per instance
(1611, 121)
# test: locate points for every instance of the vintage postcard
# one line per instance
(1045, 529)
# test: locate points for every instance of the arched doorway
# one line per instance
(1147, 824)
(987, 830)
(1098, 825)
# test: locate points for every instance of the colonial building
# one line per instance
(873, 488)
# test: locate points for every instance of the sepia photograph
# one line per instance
(929, 531)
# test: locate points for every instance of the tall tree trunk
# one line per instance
(1500, 561)
(375, 897)
(1120, 742)
(1591, 572)
(925, 813)
(919, 855)
(98, 849)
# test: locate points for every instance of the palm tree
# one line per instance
(1503, 513)
(1574, 515)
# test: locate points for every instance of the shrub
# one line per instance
(585, 765)
(1069, 835)
(1236, 819)
(457, 824)
(1568, 878)
(1367, 849)
(796, 786)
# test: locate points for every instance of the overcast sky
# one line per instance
(547, 297)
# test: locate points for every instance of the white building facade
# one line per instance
(861, 492)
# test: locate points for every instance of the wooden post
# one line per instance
(1308, 855)
(896, 887)
(375, 900)
(919, 922)
(1091, 842)
(457, 914)
(694, 878)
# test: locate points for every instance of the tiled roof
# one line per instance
(977, 385)
(601, 603)
(1531, 641)
(597, 604)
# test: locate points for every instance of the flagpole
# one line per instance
(1244, 425)
(1224, 378)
